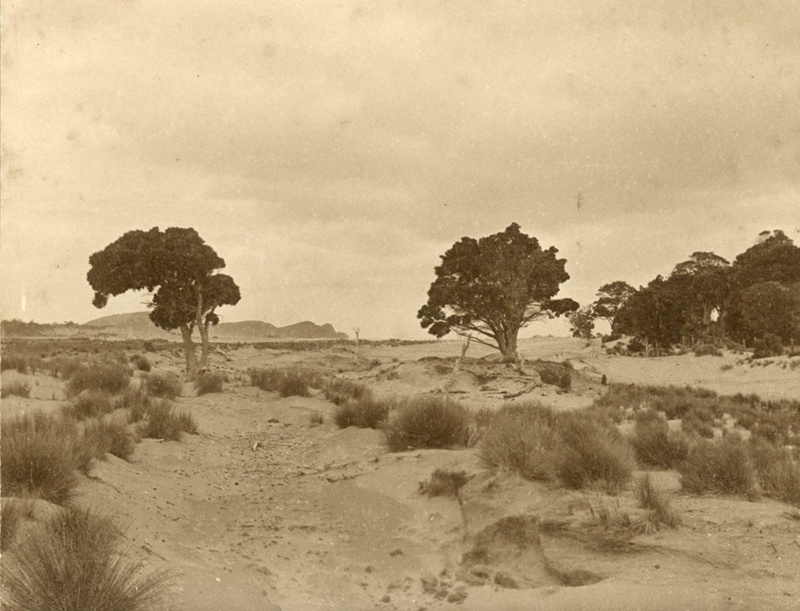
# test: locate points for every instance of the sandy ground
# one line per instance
(265, 510)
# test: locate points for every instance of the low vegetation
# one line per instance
(289, 382)
(339, 391)
(72, 561)
(112, 378)
(39, 457)
(162, 421)
(723, 466)
(163, 385)
(365, 412)
(427, 422)
(657, 503)
(444, 483)
(18, 388)
(109, 436)
(141, 362)
(209, 382)
(656, 446)
(90, 404)
(557, 374)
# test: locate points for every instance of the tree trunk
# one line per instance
(507, 343)
(192, 369)
(205, 347)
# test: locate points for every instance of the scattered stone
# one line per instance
(369, 569)
(457, 597)
(396, 552)
(386, 598)
(273, 420)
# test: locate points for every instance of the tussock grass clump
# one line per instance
(339, 391)
(136, 401)
(18, 388)
(723, 467)
(594, 455)
(72, 561)
(14, 512)
(286, 382)
(64, 367)
(706, 350)
(141, 362)
(365, 413)
(112, 378)
(14, 361)
(163, 385)
(778, 471)
(522, 439)
(427, 422)
(38, 457)
(163, 422)
(614, 527)
(657, 503)
(109, 437)
(90, 404)
(557, 374)
(444, 483)
(209, 382)
(656, 445)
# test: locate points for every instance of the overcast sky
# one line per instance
(331, 151)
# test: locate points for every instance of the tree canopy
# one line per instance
(493, 287)
(179, 270)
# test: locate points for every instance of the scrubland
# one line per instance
(294, 476)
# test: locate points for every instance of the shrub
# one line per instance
(136, 401)
(286, 382)
(427, 422)
(14, 361)
(594, 456)
(778, 473)
(706, 350)
(72, 562)
(769, 345)
(109, 437)
(522, 439)
(365, 413)
(163, 422)
(141, 362)
(19, 388)
(13, 512)
(209, 382)
(444, 483)
(657, 503)
(113, 378)
(655, 445)
(90, 404)
(718, 467)
(64, 367)
(38, 457)
(339, 391)
(163, 385)
(557, 374)
(316, 418)
(615, 528)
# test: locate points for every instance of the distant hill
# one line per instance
(138, 325)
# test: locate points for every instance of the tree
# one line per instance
(581, 322)
(610, 298)
(701, 286)
(652, 314)
(178, 269)
(773, 258)
(493, 287)
(766, 308)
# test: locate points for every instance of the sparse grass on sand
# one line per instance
(39, 456)
(164, 422)
(112, 378)
(72, 562)
(209, 382)
(613, 527)
(427, 422)
(522, 438)
(109, 437)
(339, 391)
(19, 388)
(723, 466)
(657, 503)
(163, 385)
(90, 404)
(366, 413)
(593, 455)
(289, 382)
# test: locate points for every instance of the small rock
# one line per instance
(386, 598)
(369, 569)
(429, 583)
(396, 552)
(504, 580)
(457, 597)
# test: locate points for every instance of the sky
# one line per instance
(330, 152)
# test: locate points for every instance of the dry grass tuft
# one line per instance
(19, 388)
(427, 422)
(366, 413)
(657, 503)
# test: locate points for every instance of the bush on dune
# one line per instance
(163, 385)
(523, 440)
(39, 456)
(366, 413)
(209, 382)
(724, 466)
(427, 422)
(163, 422)
(109, 437)
(72, 561)
(339, 391)
(112, 378)
(657, 446)
(90, 404)
(286, 382)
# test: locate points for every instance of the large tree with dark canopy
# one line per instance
(179, 270)
(493, 287)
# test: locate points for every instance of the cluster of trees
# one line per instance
(706, 298)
